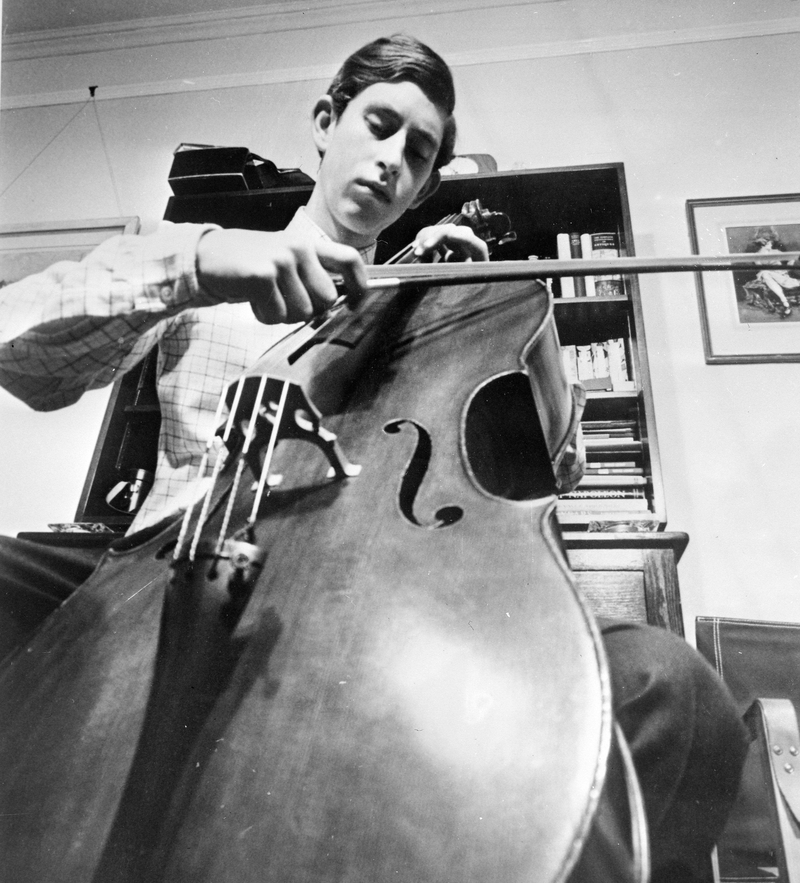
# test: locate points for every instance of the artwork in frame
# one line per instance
(30, 248)
(748, 315)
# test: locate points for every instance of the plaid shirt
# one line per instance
(77, 326)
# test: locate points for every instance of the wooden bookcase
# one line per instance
(540, 203)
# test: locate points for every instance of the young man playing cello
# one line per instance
(383, 129)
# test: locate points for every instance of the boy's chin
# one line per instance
(364, 225)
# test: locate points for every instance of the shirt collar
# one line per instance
(302, 223)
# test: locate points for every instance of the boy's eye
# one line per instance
(420, 153)
(379, 125)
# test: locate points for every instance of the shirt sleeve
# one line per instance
(77, 324)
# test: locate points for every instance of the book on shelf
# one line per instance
(599, 365)
(564, 252)
(611, 481)
(613, 470)
(606, 246)
(571, 503)
(586, 252)
(593, 507)
(618, 365)
(598, 246)
(569, 355)
(611, 464)
(588, 493)
(576, 254)
(629, 445)
(602, 425)
(609, 431)
(585, 362)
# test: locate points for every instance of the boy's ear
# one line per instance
(323, 123)
(428, 188)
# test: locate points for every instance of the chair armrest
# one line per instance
(777, 721)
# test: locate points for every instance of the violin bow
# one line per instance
(391, 276)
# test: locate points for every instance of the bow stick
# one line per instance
(391, 276)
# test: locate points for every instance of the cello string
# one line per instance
(273, 438)
(250, 435)
(319, 325)
(404, 258)
(408, 250)
(329, 315)
(219, 463)
(201, 474)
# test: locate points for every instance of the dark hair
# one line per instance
(763, 236)
(396, 59)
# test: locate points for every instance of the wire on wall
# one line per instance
(92, 90)
(93, 101)
(58, 133)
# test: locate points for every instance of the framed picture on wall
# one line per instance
(30, 248)
(748, 315)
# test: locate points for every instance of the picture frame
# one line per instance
(31, 248)
(748, 316)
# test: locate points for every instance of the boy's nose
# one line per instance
(390, 156)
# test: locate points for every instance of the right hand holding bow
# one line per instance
(285, 277)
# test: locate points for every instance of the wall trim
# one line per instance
(283, 15)
(489, 55)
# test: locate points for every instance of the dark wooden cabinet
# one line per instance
(630, 576)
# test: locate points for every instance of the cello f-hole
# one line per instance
(414, 475)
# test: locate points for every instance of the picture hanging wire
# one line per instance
(33, 160)
(92, 99)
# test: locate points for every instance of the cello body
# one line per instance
(409, 690)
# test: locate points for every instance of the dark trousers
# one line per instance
(687, 740)
(686, 737)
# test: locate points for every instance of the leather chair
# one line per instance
(760, 662)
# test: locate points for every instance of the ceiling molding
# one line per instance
(275, 18)
(489, 55)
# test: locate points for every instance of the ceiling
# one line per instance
(20, 16)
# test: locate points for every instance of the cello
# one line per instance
(376, 668)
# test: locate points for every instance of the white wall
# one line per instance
(698, 100)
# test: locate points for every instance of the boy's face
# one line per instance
(378, 159)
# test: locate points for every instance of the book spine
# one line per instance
(606, 245)
(565, 254)
(576, 254)
(600, 365)
(614, 470)
(586, 252)
(613, 464)
(610, 427)
(629, 445)
(611, 481)
(604, 494)
(618, 365)
(570, 357)
(594, 507)
(585, 366)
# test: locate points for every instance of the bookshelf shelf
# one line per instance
(541, 204)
